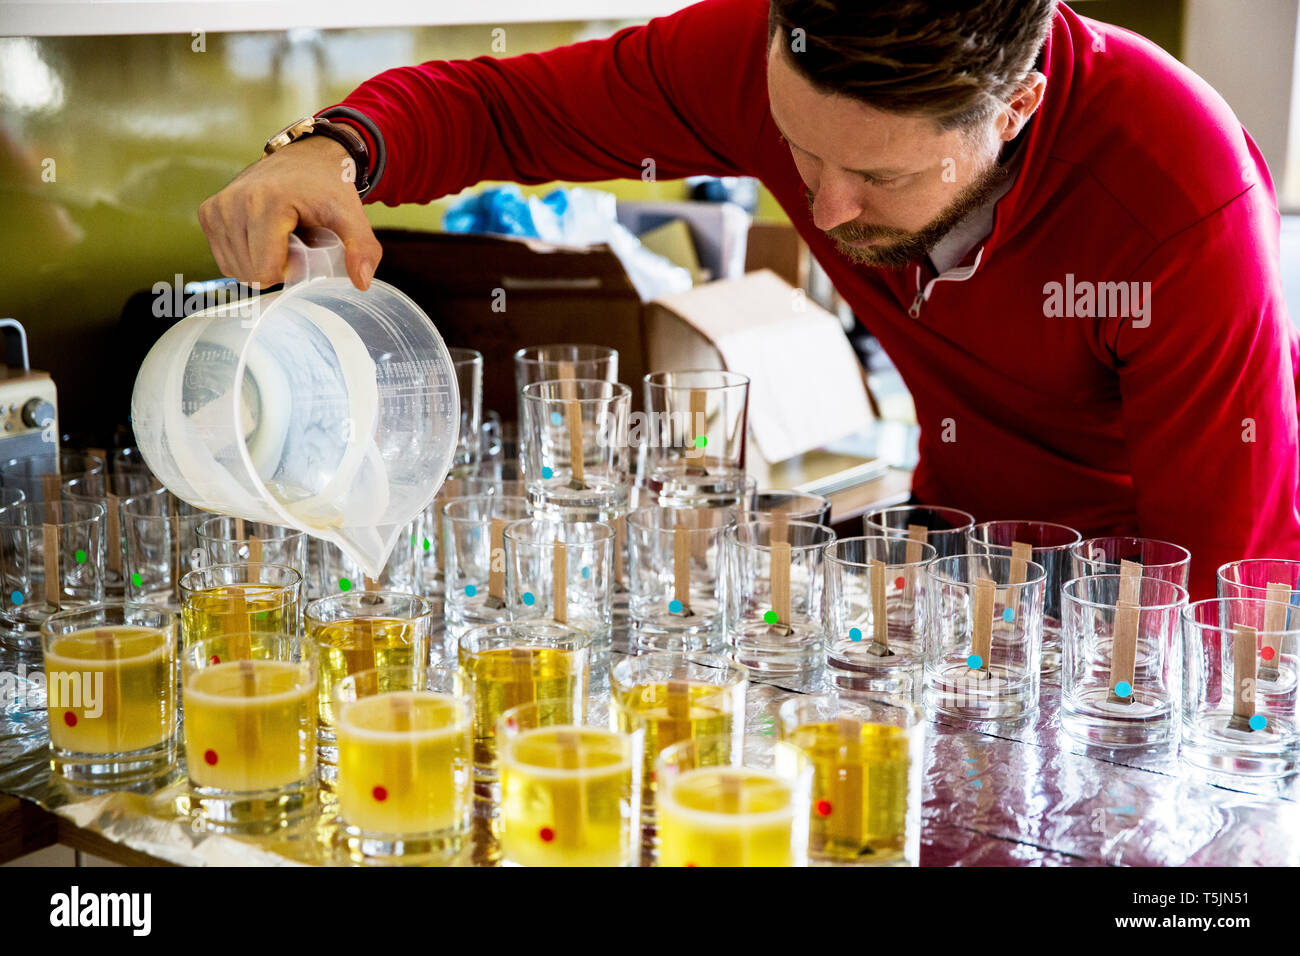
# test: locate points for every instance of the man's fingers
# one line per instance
(268, 246)
(360, 245)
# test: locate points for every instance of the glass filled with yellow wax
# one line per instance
(236, 599)
(250, 730)
(681, 696)
(867, 752)
(751, 810)
(506, 665)
(404, 781)
(110, 673)
(361, 631)
(570, 786)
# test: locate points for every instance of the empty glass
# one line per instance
(561, 571)
(548, 363)
(1159, 559)
(159, 532)
(876, 607)
(676, 576)
(469, 380)
(1046, 544)
(474, 544)
(694, 438)
(1239, 687)
(1122, 660)
(984, 632)
(795, 505)
(943, 528)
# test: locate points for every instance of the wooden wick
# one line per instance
(1243, 677)
(53, 582)
(566, 375)
(403, 712)
(780, 565)
(113, 518)
(1130, 582)
(682, 567)
(620, 547)
(1123, 653)
(53, 491)
(112, 695)
(848, 785)
(241, 623)
(560, 581)
(1021, 555)
(363, 651)
(239, 529)
(520, 689)
(496, 599)
(698, 404)
(570, 806)
(254, 549)
(247, 678)
(732, 792)
(982, 624)
(879, 612)
(1275, 616)
(573, 415)
(917, 535)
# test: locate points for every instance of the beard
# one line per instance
(900, 247)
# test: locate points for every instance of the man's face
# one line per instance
(884, 187)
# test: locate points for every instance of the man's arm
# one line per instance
(684, 94)
(1208, 389)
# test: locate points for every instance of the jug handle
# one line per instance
(314, 253)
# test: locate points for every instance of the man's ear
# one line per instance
(1026, 101)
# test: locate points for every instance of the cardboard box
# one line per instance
(779, 247)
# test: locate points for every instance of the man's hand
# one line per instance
(248, 223)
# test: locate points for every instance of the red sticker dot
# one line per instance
(692, 864)
(70, 718)
(1267, 653)
(547, 834)
(216, 659)
(380, 794)
(210, 757)
(900, 583)
(823, 808)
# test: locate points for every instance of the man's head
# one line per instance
(896, 110)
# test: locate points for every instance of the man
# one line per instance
(1062, 237)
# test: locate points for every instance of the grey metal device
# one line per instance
(29, 418)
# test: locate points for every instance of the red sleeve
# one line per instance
(1209, 396)
(687, 92)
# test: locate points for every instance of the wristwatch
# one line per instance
(342, 134)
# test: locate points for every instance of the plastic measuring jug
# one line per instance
(320, 407)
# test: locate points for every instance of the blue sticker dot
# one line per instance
(586, 572)
(17, 597)
(855, 634)
(675, 606)
(546, 472)
(529, 599)
(974, 662)
(1008, 615)
(1258, 722)
(1123, 689)
(470, 590)
(977, 784)
(557, 418)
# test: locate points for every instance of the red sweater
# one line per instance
(1179, 425)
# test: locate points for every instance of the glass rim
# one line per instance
(1263, 589)
(1078, 536)
(448, 670)
(1034, 568)
(5, 463)
(605, 353)
(468, 356)
(1185, 559)
(878, 537)
(1181, 595)
(1188, 615)
(741, 675)
(532, 392)
(447, 514)
(68, 613)
(601, 532)
(538, 632)
(425, 605)
(644, 511)
(733, 535)
(288, 532)
(732, 380)
(759, 742)
(938, 509)
(241, 564)
(913, 710)
(131, 504)
(76, 503)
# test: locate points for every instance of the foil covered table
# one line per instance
(994, 795)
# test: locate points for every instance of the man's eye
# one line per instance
(883, 183)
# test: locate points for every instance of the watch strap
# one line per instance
(371, 135)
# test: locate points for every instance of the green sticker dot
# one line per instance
(345, 584)
(136, 580)
(428, 544)
(413, 541)
(770, 617)
(80, 555)
(701, 441)
(261, 615)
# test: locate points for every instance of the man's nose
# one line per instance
(835, 202)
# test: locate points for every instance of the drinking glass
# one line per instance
(943, 528)
(694, 439)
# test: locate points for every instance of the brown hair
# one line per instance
(955, 60)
